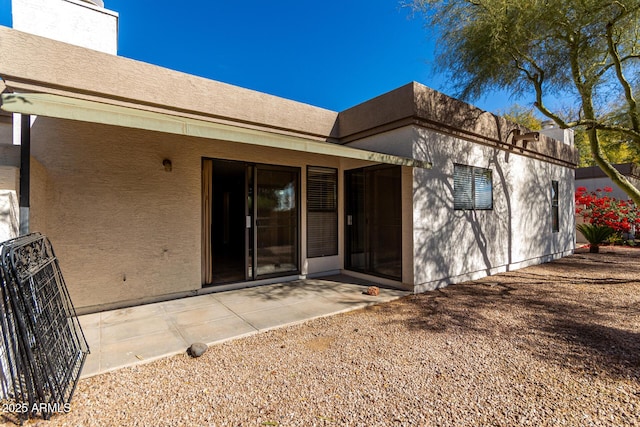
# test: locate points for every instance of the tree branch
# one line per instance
(618, 179)
(634, 134)
(628, 91)
(537, 81)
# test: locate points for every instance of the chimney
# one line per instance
(83, 23)
(563, 135)
(548, 124)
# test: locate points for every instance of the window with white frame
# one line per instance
(472, 188)
(322, 211)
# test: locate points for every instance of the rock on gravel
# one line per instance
(197, 349)
(373, 291)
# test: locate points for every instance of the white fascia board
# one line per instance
(62, 107)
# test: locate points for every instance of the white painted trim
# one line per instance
(62, 107)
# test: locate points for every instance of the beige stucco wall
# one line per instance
(38, 197)
(124, 229)
(451, 246)
(6, 131)
(30, 63)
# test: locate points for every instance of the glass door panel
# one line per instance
(374, 221)
(228, 239)
(385, 217)
(250, 231)
(276, 222)
(356, 221)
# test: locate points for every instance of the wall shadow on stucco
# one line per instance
(504, 185)
(451, 243)
(563, 312)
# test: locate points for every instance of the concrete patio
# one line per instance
(136, 335)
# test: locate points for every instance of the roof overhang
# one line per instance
(63, 107)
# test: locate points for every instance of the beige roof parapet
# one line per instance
(416, 104)
(32, 64)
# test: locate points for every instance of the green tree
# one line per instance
(587, 51)
(523, 116)
(616, 150)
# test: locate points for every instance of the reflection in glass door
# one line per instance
(374, 221)
(276, 220)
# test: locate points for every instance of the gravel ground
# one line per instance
(556, 344)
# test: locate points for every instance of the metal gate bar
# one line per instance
(43, 347)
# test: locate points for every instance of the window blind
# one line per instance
(322, 211)
(472, 188)
(462, 187)
(483, 191)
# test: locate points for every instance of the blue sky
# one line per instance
(333, 54)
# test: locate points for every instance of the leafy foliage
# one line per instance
(597, 208)
(615, 149)
(522, 116)
(595, 234)
(585, 51)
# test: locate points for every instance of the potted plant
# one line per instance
(595, 235)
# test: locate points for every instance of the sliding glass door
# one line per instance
(250, 221)
(374, 221)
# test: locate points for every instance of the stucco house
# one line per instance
(155, 184)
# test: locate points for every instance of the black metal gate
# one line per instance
(43, 348)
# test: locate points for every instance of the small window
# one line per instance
(322, 211)
(555, 214)
(472, 188)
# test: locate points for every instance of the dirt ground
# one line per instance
(554, 344)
